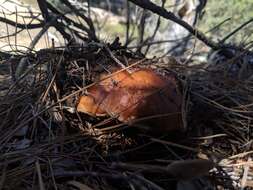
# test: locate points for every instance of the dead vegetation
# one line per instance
(46, 144)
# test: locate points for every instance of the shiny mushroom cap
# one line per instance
(143, 96)
(90, 104)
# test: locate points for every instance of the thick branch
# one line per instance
(46, 15)
(68, 20)
(22, 26)
(146, 4)
(91, 31)
(43, 8)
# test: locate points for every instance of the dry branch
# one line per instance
(146, 4)
(19, 25)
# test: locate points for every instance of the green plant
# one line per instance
(239, 11)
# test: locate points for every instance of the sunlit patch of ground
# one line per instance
(20, 39)
(108, 26)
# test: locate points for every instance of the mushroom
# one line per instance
(142, 97)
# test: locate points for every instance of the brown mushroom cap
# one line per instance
(135, 96)
(90, 104)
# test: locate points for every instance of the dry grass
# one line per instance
(43, 146)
